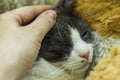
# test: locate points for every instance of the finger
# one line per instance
(24, 15)
(42, 24)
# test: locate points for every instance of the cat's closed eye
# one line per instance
(55, 56)
(84, 34)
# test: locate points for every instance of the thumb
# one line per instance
(42, 24)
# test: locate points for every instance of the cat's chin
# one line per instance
(76, 69)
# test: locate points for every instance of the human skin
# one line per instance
(21, 33)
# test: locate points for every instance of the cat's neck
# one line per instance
(44, 70)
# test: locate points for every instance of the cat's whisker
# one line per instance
(72, 71)
(56, 71)
(72, 62)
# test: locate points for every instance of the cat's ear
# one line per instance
(67, 5)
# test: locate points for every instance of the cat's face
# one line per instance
(81, 54)
(69, 43)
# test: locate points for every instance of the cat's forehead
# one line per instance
(75, 35)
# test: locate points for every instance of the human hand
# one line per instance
(21, 34)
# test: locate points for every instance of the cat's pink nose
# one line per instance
(85, 54)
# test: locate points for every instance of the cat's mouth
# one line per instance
(79, 64)
(77, 67)
(85, 64)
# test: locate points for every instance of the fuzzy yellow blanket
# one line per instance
(104, 18)
(108, 68)
(103, 15)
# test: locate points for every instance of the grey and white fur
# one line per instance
(66, 50)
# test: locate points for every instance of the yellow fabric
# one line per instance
(104, 18)
(108, 68)
(103, 15)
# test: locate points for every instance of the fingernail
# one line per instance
(52, 14)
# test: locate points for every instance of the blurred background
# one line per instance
(6, 5)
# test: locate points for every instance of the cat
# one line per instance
(66, 50)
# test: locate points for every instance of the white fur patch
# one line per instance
(80, 46)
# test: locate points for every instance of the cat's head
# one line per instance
(69, 43)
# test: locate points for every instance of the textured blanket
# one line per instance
(104, 18)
